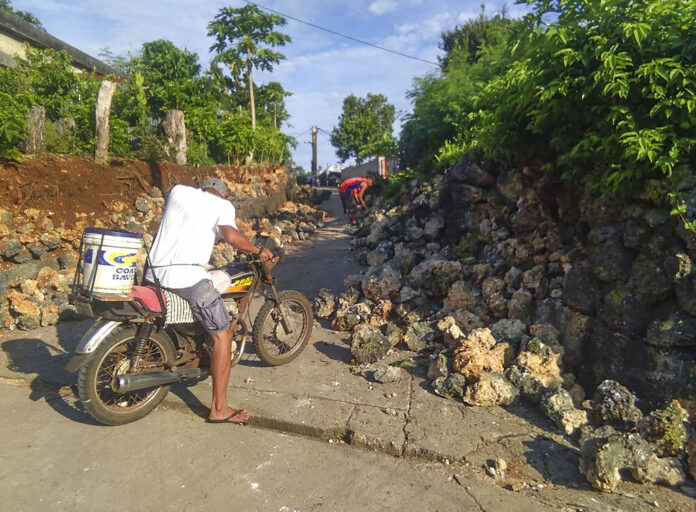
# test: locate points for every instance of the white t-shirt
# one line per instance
(189, 229)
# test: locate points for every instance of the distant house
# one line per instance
(380, 166)
(14, 32)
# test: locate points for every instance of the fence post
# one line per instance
(175, 130)
(106, 93)
(35, 143)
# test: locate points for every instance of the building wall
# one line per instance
(14, 32)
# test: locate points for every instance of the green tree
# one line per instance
(169, 73)
(473, 35)
(271, 99)
(364, 128)
(5, 5)
(244, 38)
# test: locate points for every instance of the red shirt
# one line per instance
(349, 183)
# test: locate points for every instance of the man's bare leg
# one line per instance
(220, 370)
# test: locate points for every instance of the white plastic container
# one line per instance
(109, 260)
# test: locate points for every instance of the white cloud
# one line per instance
(380, 7)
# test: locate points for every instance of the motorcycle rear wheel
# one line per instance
(112, 358)
(272, 344)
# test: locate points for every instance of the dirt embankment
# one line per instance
(65, 186)
(46, 203)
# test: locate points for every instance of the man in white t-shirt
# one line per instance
(193, 220)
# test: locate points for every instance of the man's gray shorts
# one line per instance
(207, 305)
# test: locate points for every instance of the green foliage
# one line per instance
(47, 76)
(434, 131)
(13, 122)
(57, 142)
(392, 188)
(601, 92)
(462, 250)
(364, 128)
(161, 77)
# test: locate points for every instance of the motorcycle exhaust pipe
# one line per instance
(127, 383)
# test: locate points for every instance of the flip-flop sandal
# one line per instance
(227, 420)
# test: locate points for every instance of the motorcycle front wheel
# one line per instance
(96, 379)
(273, 344)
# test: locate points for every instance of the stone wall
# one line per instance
(37, 259)
(613, 275)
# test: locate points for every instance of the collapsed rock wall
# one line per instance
(34, 244)
(614, 276)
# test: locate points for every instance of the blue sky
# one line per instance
(320, 70)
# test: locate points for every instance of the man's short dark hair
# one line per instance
(215, 184)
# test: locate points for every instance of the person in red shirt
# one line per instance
(351, 192)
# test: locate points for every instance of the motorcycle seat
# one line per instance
(148, 294)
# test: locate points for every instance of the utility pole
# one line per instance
(314, 154)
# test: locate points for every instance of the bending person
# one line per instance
(351, 192)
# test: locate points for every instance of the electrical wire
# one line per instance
(341, 35)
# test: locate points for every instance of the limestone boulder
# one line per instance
(368, 345)
(614, 405)
(345, 320)
(387, 374)
(451, 386)
(382, 282)
(479, 353)
(560, 408)
(491, 389)
(348, 298)
(324, 303)
(666, 430)
(535, 371)
(435, 276)
(452, 334)
(419, 335)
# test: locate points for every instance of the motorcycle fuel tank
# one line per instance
(241, 282)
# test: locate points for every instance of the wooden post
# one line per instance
(35, 143)
(106, 93)
(175, 130)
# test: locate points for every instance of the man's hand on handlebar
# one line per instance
(265, 254)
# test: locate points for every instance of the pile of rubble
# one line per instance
(40, 259)
(486, 308)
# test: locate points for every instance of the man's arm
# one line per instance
(237, 240)
(359, 195)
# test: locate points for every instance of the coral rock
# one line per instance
(560, 408)
(491, 389)
(368, 345)
(614, 405)
(324, 303)
(666, 430)
(478, 353)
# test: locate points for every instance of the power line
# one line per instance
(342, 35)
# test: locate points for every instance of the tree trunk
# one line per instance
(35, 143)
(106, 93)
(175, 130)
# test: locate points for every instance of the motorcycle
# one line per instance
(143, 341)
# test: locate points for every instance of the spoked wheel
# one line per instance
(273, 343)
(96, 380)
